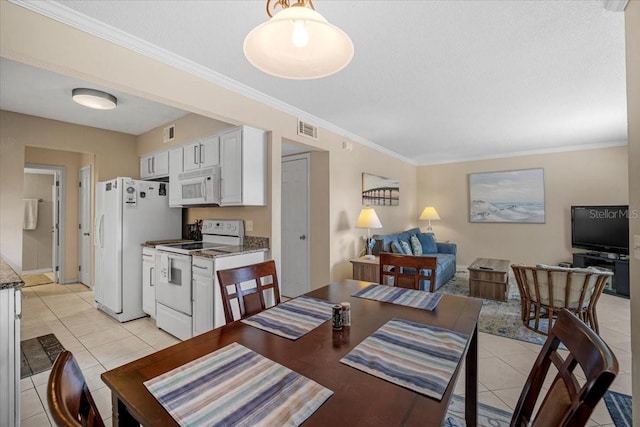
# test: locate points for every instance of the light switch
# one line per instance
(636, 246)
(248, 225)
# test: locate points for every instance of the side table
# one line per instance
(367, 270)
(488, 278)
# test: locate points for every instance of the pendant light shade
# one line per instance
(298, 43)
(95, 99)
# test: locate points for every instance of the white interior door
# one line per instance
(295, 278)
(84, 229)
(55, 229)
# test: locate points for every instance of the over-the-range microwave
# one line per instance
(200, 187)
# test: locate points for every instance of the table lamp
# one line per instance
(429, 213)
(368, 219)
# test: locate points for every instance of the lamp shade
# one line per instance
(368, 218)
(429, 213)
(93, 98)
(298, 43)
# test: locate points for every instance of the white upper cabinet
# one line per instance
(202, 153)
(154, 165)
(243, 155)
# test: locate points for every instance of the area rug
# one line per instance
(496, 317)
(36, 279)
(38, 354)
(488, 416)
(619, 406)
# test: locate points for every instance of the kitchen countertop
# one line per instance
(8, 277)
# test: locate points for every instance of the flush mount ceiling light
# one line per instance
(94, 99)
(297, 43)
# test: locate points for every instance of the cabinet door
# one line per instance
(210, 151)
(161, 164)
(231, 168)
(175, 169)
(148, 286)
(202, 304)
(146, 167)
(191, 156)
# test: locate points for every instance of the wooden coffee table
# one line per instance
(489, 278)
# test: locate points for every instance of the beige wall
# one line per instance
(588, 177)
(114, 155)
(632, 31)
(37, 245)
(70, 161)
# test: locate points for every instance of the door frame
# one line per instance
(307, 157)
(60, 249)
(86, 192)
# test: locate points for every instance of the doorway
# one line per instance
(84, 226)
(43, 245)
(295, 270)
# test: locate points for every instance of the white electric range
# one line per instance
(174, 294)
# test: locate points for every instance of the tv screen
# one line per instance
(600, 228)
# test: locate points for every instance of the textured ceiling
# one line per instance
(433, 81)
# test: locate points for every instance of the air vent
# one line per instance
(307, 129)
(169, 134)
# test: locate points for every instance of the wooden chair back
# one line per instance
(407, 271)
(570, 400)
(549, 289)
(248, 284)
(70, 401)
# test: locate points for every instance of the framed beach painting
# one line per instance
(380, 191)
(509, 196)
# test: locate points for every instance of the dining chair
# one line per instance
(70, 400)
(408, 271)
(249, 286)
(571, 398)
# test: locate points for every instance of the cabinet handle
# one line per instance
(153, 165)
(201, 148)
(149, 165)
(151, 276)
(195, 155)
(200, 267)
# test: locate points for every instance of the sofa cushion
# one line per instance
(428, 243)
(406, 248)
(396, 248)
(415, 245)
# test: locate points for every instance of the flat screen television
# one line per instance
(600, 228)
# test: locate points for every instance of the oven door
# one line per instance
(173, 286)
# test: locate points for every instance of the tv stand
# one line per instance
(620, 268)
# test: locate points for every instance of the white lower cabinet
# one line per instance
(207, 311)
(149, 281)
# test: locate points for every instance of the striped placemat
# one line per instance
(239, 387)
(419, 357)
(293, 318)
(401, 296)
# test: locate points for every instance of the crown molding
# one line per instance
(563, 149)
(615, 5)
(75, 19)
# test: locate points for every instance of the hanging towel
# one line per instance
(30, 214)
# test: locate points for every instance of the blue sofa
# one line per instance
(445, 252)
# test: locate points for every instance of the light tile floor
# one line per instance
(100, 343)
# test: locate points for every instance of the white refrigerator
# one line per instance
(128, 213)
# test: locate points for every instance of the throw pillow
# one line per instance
(406, 249)
(428, 243)
(396, 248)
(415, 245)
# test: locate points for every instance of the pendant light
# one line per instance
(297, 43)
(93, 98)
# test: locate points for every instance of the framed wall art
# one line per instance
(380, 191)
(509, 196)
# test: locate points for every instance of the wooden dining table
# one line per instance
(358, 399)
